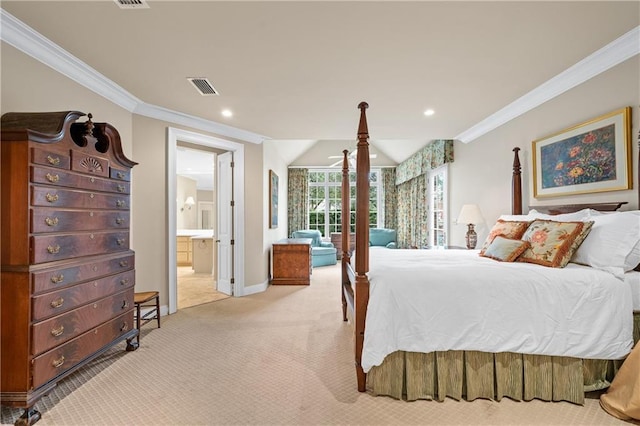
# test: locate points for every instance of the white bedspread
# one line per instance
(633, 279)
(438, 300)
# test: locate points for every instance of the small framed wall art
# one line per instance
(273, 199)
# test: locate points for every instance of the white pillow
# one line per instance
(613, 244)
(579, 216)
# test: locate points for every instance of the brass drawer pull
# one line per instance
(119, 221)
(52, 178)
(125, 304)
(124, 263)
(52, 198)
(124, 327)
(120, 175)
(124, 281)
(92, 196)
(53, 249)
(121, 203)
(57, 278)
(92, 179)
(57, 302)
(55, 332)
(120, 241)
(121, 188)
(57, 363)
(54, 161)
(51, 222)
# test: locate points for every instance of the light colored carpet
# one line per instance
(282, 357)
(196, 288)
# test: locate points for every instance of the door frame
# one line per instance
(173, 136)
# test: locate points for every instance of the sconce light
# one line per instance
(470, 215)
(188, 203)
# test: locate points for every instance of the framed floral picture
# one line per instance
(593, 156)
(273, 199)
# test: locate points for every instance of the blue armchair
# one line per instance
(382, 237)
(323, 253)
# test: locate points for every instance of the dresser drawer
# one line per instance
(84, 163)
(57, 302)
(50, 158)
(62, 358)
(76, 180)
(46, 248)
(55, 197)
(120, 174)
(62, 276)
(53, 220)
(52, 332)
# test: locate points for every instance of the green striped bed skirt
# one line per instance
(470, 374)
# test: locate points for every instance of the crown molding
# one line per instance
(175, 117)
(619, 50)
(24, 38)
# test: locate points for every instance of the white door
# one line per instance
(224, 228)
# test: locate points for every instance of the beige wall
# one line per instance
(28, 85)
(481, 172)
(187, 218)
(273, 161)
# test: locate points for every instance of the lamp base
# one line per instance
(472, 237)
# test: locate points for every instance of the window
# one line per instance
(325, 200)
(438, 206)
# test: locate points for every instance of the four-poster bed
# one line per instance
(452, 369)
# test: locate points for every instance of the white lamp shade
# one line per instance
(470, 213)
(189, 201)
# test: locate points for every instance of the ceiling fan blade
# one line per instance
(336, 163)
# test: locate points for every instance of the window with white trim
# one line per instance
(438, 206)
(325, 200)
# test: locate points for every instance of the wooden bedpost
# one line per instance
(516, 185)
(362, 241)
(345, 221)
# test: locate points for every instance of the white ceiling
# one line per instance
(297, 70)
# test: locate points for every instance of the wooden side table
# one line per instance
(291, 262)
(336, 239)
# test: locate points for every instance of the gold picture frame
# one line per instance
(593, 156)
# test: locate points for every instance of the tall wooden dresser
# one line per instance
(68, 276)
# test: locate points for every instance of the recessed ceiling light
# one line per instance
(429, 112)
(227, 113)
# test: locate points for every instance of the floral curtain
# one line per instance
(412, 196)
(413, 224)
(297, 194)
(390, 198)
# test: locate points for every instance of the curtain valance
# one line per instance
(434, 154)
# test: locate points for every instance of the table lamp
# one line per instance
(471, 215)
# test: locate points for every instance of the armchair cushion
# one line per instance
(382, 237)
(323, 253)
(314, 234)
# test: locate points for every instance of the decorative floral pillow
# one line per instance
(553, 243)
(505, 249)
(508, 229)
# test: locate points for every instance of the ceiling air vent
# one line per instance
(204, 87)
(132, 4)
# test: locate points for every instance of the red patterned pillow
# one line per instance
(553, 243)
(508, 229)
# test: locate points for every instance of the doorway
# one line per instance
(196, 184)
(174, 137)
